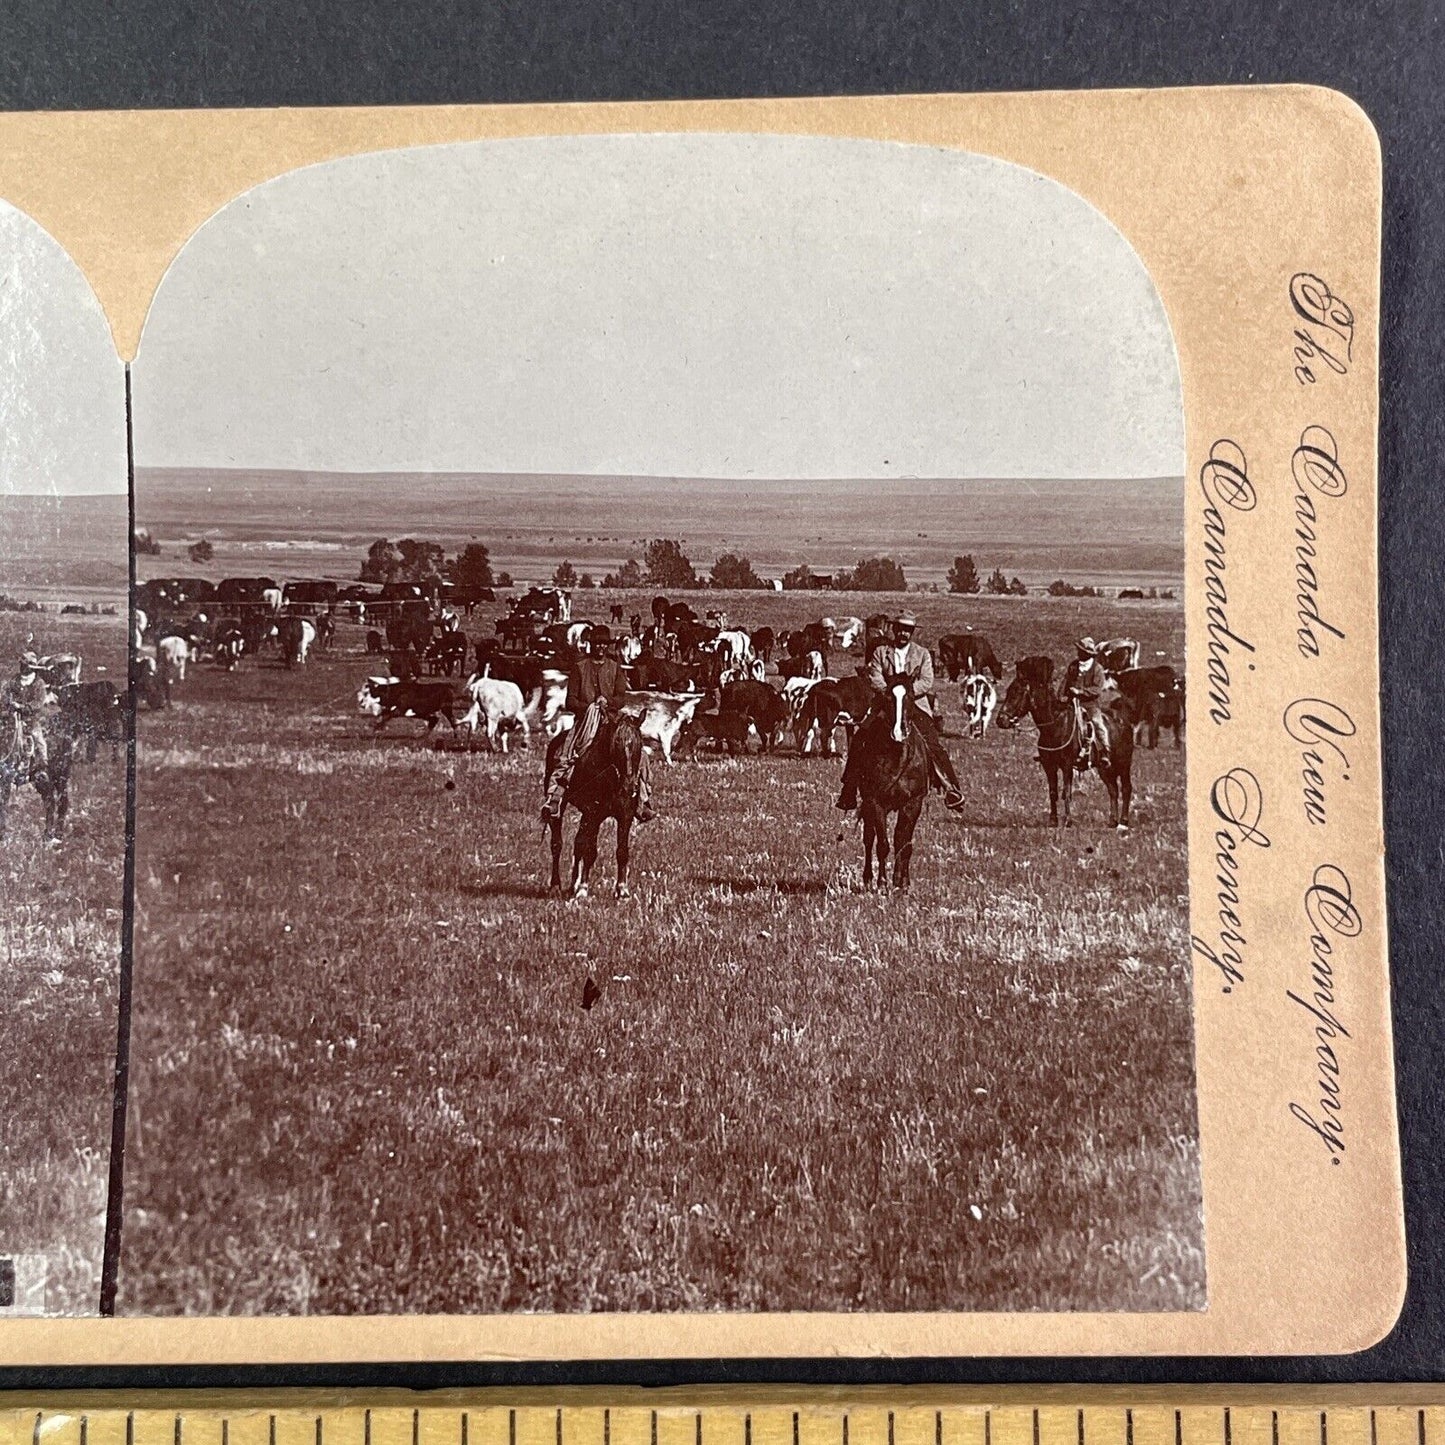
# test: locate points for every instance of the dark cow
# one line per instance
(725, 730)
(657, 674)
(615, 612)
(877, 630)
(386, 698)
(1156, 699)
(961, 654)
(242, 592)
(446, 654)
(528, 673)
(764, 641)
(833, 703)
(149, 683)
(758, 704)
(810, 664)
(230, 645)
(375, 643)
(409, 627)
(311, 595)
(326, 630)
(95, 713)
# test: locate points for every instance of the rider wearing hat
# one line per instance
(903, 657)
(27, 698)
(1088, 682)
(594, 687)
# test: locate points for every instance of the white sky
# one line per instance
(691, 305)
(62, 385)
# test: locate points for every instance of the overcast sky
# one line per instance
(62, 386)
(689, 305)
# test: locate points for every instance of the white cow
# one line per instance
(733, 647)
(630, 651)
(273, 598)
(661, 716)
(980, 698)
(142, 622)
(499, 706)
(845, 631)
(172, 654)
(795, 693)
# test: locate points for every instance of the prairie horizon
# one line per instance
(320, 523)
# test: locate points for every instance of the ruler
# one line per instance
(1053, 1415)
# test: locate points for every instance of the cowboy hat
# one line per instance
(1087, 644)
(905, 619)
(28, 661)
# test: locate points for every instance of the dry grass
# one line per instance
(364, 1081)
(60, 927)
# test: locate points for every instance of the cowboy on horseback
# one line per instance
(903, 658)
(595, 688)
(1092, 688)
(27, 698)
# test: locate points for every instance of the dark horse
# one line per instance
(603, 785)
(1061, 740)
(892, 778)
(51, 779)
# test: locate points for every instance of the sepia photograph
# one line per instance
(63, 584)
(660, 743)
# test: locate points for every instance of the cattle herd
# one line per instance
(694, 682)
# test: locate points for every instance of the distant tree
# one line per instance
(201, 551)
(1017, 589)
(800, 579)
(420, 561)
(472, 567)
(585, 582)
(668, 566)
(628, 575)
(382, 562)
(565, 576)
(1060, 588)
(997, 582)
(878, 574)
(735, 573)
(963, 575)
(147, 545)
(504, 579)
(1152, 593)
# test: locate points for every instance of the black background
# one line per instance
(147, 53)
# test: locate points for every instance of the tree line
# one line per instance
(663, 564)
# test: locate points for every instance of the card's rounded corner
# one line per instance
(1377, 1317)
(1350, 122)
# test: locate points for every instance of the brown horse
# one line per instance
(19, 765)
(603, 785)
(1061, 739)
(892, 778)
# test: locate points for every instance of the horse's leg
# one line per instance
(584, 853)
(1126, 791)
(554, 826)
(624, 832)
(903, 843)
(1068, 792)
(1052, 774)
(1111, 785)
(58, 805)
(867, 813)
(881, 843)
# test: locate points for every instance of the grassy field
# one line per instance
(365, 1081)
(60, 929)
